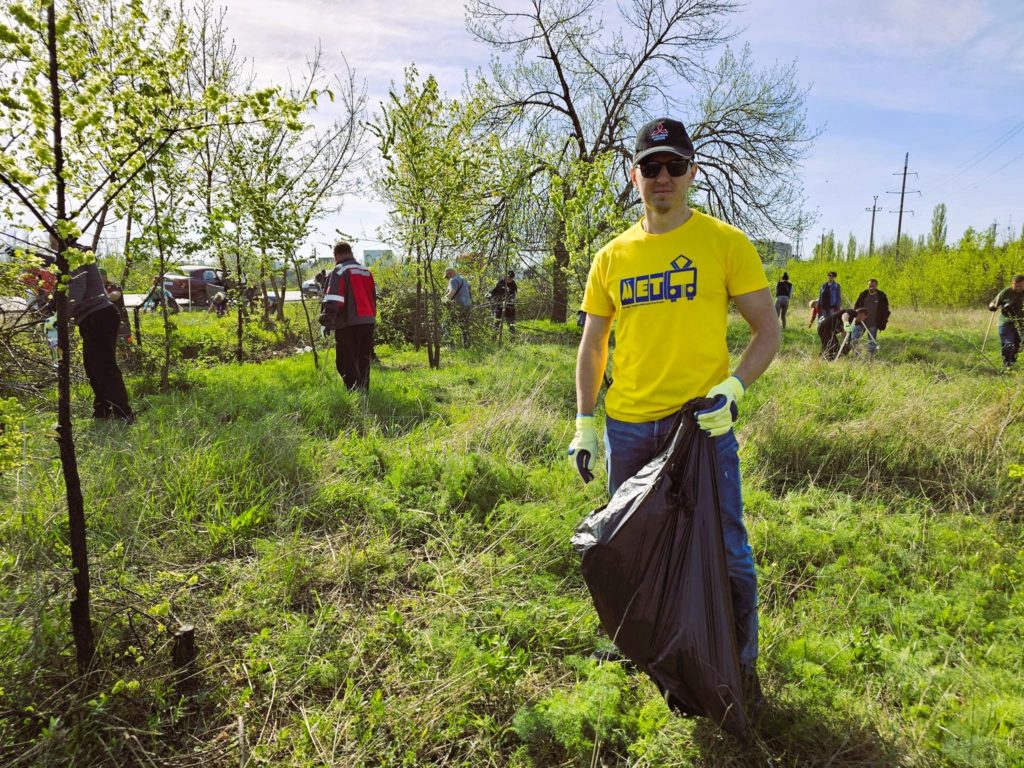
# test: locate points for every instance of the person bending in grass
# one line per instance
(815, 314)
(1010, 303)
(832, 329)
(666, 284)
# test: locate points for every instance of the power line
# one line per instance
(981, 154)
(983, 179)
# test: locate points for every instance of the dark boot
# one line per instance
(753, 696)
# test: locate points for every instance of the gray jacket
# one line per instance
(86, 292)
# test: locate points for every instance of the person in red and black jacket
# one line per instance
(349, 309)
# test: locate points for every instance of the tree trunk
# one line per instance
(417, 320)
(434, 321)
(560, 279)
(284, 289)
(241, 299)
(99, 227)
(127, 245)
(165, 368)
(263, 286)
(309, 321)
(81, 622)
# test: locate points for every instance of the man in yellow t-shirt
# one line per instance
(666, 283)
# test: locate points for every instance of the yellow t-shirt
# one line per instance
(670, 296)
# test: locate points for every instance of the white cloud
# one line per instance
(379, 41)
(933, 77)
(870, 27)
(918, 26)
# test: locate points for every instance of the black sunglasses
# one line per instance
(650, 169)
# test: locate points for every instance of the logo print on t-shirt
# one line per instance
(670, 285)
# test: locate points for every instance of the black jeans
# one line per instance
(353, 349)
(508, 313)
(1009, 336)
(781, 307)
(99, 344)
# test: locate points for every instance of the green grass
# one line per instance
(387, 580)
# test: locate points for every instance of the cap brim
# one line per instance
(661, 151)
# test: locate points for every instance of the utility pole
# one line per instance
(871, 242)
(798, 230)
(902, 194)
(822, 251)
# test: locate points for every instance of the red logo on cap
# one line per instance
(660, 133)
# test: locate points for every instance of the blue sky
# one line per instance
(940, 79)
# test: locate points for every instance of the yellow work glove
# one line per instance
(583, 448)
(848, 327)
(718, 419)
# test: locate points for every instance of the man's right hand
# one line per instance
(583, 448)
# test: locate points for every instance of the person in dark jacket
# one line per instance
(503, 301)
(1010, 303)
(350, 310)
(877, 305)
(830, 296)
(98, 320)
(783, 290)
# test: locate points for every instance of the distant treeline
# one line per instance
(961, 276)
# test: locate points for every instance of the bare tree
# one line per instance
(587, 82)
(750, 134)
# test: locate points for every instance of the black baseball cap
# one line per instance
(663, 134)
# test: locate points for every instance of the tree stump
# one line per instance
(183, 656)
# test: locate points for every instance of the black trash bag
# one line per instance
(654, 561)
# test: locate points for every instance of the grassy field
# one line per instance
(388, 581)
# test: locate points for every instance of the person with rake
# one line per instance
(1010, 304)
(836, 331)
(877, 305)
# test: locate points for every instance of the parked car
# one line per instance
(195, 283)
(311, 288)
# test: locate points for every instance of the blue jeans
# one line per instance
(628, 447)
(1010, 337)
(858, 333)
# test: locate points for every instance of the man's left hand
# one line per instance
(718, 419)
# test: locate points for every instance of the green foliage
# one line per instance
(590, 711)
(585, 198)
(436, 176)
(967, 275)
(12, 417)
(937, 236)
